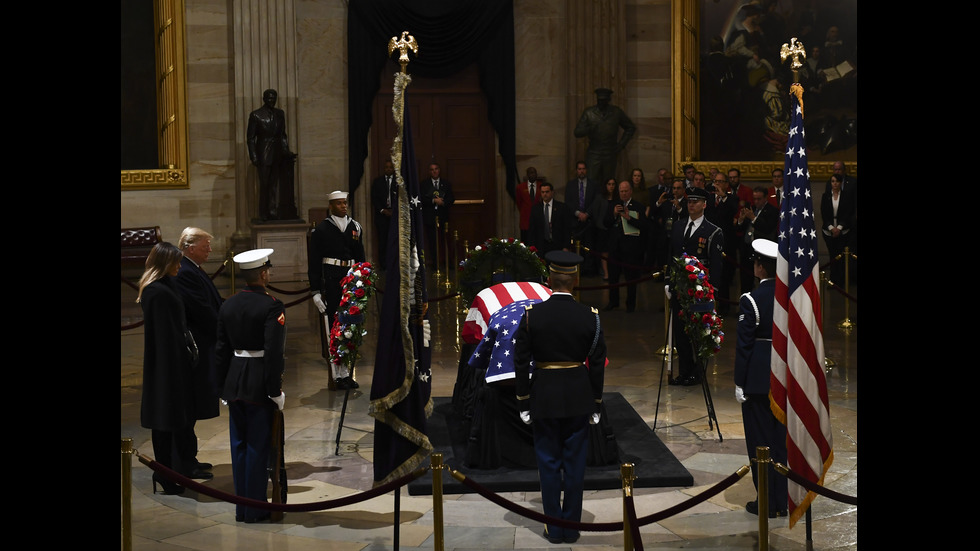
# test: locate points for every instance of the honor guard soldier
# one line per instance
(560, 357)
(249, 351)
(336, 244)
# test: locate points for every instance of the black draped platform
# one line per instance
(654, 465)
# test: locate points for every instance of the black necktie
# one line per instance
(531, 189)
(687, 234)
(547, 222)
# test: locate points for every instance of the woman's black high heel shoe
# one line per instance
(169, 488)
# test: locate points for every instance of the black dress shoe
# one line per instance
(342, 384)
(263, 517)
(200, 474)
(351, 383)
(688, 381)
(571, 539)
(753, 507)
(552, 539)
(204, 466)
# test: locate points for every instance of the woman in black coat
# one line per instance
(167, 407)
(838, 211)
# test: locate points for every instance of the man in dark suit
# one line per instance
(775, 192)
(201, 304)
(627, 223)
(527, 194)
(250, 346)
(437, 200)
(268, 149)
(722, 210)
(384, 193)
(752, 356)
(580, 192)
(698, 237)
(563, 394)
(760, 221)
(550, 223)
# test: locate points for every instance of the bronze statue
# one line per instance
(601, 124)
(268, 149)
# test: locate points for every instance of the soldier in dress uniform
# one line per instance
(336, 244)
(560, 357)
(752, 368)
(698, 237)
(250, 349)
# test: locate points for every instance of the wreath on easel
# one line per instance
(348, 332)
(690, 282)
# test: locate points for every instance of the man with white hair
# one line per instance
(336, 244)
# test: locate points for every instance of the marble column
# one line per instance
(265, 57)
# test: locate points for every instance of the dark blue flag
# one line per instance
(402, 385)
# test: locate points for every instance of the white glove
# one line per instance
(319, 303)
(594, 420)
(279, 400)
(667, 291)
(739, 394)
(526, 417)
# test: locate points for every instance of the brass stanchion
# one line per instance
(829, 363)
(455, 263)
(231, 261)
(762, 473)
(626, 474)
(463, 307)
(578, 273)
(846, 325)
(435, 239)
(127, 494)
(445, 243)
(667, 350)
(438, 535)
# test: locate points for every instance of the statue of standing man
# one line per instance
(268, 149)
(601, 124)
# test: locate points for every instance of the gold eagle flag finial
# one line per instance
(794, 49)
(403, 45)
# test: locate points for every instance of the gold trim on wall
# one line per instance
(686, 109)
(172, 145)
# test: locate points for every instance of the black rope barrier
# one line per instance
(188, 483)
(813, 487)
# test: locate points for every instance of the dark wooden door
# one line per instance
(449, 127)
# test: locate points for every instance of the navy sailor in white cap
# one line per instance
(249, 356)
(752, 356)
(336, 244)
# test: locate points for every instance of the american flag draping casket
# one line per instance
(492, 321)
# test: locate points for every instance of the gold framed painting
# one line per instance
(730, 85)
(164, 98)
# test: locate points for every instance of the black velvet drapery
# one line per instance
(451, 35)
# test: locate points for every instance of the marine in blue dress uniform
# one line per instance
(752, 368)
(560, 356)
(250, 346)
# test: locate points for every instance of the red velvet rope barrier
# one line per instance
(634, 524)
(174, 476)
(534, 515)
(695, 500)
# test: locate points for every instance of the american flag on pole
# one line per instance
(798, 386)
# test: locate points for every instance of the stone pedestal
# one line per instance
(289, 262)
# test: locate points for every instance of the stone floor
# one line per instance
(470, 522)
